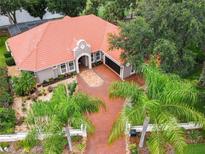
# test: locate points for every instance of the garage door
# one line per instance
(115, 67)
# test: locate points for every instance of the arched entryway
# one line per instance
(83, 61)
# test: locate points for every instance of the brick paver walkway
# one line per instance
(103, 120)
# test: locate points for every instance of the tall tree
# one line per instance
(136, 38)
(9, 8)
(65, 109)
(166, 101)
(36, 8)
(92, 7)
(114, 10)
(67, 7)
(181, 23)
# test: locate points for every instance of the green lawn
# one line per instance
(2, 51)
(195, 149)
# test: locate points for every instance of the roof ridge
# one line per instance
(42, 35)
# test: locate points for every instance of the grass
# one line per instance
(195, 149)
(2, 50)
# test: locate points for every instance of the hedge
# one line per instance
(7, 54)
(10, 61)
(7, 120)
(5, 92)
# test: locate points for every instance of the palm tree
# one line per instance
(61, 111)
(165, 101)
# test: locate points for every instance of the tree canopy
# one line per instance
(9, 8)
(67, 7)
(36, 8)
(115, 10)
(178, 34)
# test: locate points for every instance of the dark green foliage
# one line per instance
(202, 77)
(137, 40)
(92, 7)
(7, 120)
(6, 99)
(10, 61)
(178, 33)
(5, 93)
(24, 84)
(67, 7)
(114, 10)
(7, 54)
(36, 8)
(9, 8)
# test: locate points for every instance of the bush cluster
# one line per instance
(9, 59)
(7, 115)
(7, 120)
(25, 84)
(5, 93)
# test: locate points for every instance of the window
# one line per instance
(63, 69)
(71, 66)
(132, 70)
(98, 57)
(92, 57)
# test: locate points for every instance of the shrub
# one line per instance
(7, 120)
(71, 87)
(10, 61)
(5, 99)
(24, 84)
(5, 95)
(7, 54)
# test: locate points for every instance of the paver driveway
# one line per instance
(103, 120)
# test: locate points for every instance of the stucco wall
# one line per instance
(51, 73)
(82, 47)
(45, 75)
(127, 71)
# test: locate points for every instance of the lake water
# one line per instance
(23, 16)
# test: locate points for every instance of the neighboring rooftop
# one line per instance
(52, 43)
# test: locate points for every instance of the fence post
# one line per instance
(84, 130)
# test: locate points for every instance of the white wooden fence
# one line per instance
(186, 126)
(22, 135)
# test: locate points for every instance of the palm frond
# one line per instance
(124, 90)
(118, 128)
(166, 135)
(186, 112)
(88, 104)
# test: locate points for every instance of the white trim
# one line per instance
(89, 61)
(7, 46)
(66, 67)
(112, 59)
(113, 71)
(97, 60)
(71, 70)
(122, 72)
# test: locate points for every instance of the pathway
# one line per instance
(103, 120)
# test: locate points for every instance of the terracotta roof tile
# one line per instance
(53, 42)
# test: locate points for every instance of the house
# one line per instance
(65, 45)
